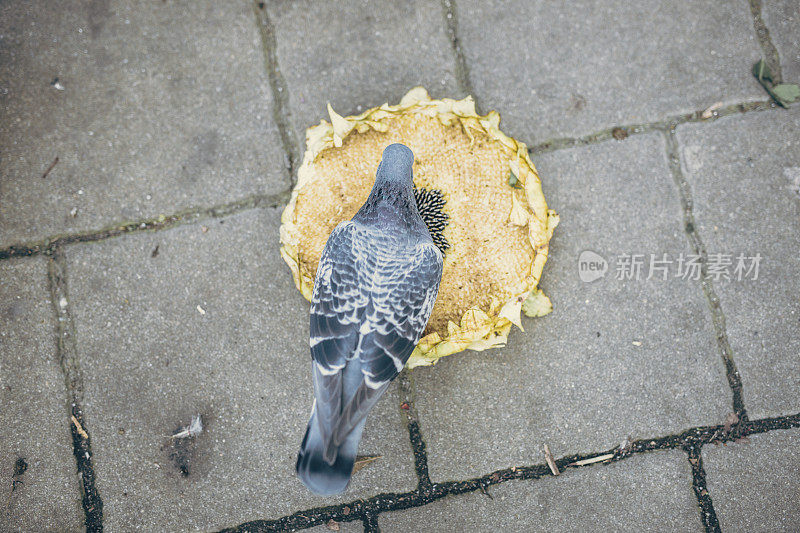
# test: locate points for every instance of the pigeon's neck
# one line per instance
(391, 203)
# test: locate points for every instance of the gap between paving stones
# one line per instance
(280, 92)
(189, 216)
(360, 509)
(622, 132)
(717, 315)
(768, 48)
(67, 354)
(451, 29)
(707, 512)
(371, 523)
(411, 419)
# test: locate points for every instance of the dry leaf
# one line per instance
(788, 92)
(731, 420)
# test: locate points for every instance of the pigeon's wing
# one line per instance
(337, 305)
(403, 291)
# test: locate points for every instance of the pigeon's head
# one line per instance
(396, 164)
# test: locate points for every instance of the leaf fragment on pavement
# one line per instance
(730, 421)
(783, 93)
(788, 92)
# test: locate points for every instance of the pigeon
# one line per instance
(377, 281)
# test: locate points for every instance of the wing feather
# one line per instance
(369, 308)
(337, 304)
(402, 298)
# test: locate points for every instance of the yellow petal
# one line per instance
(415, 95)
(537, 304)
(518, 215)
(341, 126)
(511, 311)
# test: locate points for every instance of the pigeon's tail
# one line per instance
(317, 474)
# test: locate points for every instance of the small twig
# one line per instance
(53, 164)
(79, 428)
(551, 462)
(592, 460)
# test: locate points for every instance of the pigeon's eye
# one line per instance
(477, 191)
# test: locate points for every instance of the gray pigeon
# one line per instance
(376, 284)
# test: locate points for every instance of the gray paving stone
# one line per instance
(745, 177)
(754, 486)
(554, 72)
(357, 54)
(644, 493)
(575, 379)
(151, 360)
(34, 425)
(782, 18)
(165, 106)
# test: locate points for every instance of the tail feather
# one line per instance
(317, 474)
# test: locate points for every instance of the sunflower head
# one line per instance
(477, 191)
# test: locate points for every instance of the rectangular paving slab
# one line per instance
(754, 485)
(643, 493)
(156, 108)
(185, 322)
(39, 488)
(357, 54)
(554, 72)
(616, 358)
(744, 172)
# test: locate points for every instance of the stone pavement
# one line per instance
(146, 153)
